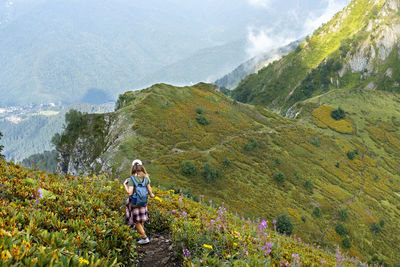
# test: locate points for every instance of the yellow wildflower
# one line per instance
(5, 255)
(235, 244)
(82, 260)
(159, 199)
(207, 246)
(122, 187)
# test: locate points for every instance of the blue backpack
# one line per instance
(141, 193)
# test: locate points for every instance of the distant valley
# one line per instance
(28, 129)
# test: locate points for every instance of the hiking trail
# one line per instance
(158, 253)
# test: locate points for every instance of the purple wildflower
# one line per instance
(173, 211)
(40, 193)
(262, 226)
(186, 253)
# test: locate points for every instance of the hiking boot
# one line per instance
(144, 241)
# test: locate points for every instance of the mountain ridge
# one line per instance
(340, 54)
(191, 137)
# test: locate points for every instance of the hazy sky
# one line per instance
(69, 46)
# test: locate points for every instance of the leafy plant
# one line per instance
(199, 110)
(210, 174)
(317, 212)
(284, 224)
(352, 154)
(252, 145)
(226, 162)
(202, 120)
(279, 177)
(316, 141)
(343, 214)
(189, 169)
(309, 186)
(346, 242)
(338, 114)
(341, 229)
(376, 228)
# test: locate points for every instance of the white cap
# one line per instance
(138, 161)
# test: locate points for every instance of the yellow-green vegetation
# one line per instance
(49, 220)
(322, 61)
(322, 118)
(252, 149)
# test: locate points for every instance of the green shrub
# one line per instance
(277, 161)
(337, 165)
(352, 154)
(341, 230)
(309, 186)
(279, 177)
(210, 174)
(199, 110)
(284, 224)
(317, 212)
(189, 169)
(382, 223)
(346, 243)
(252, 145)
(343, 215)
(303, 218)
(376, 179)
(316, 141)
(202, 120)
(338, 114)
(226, 162)
(376, 228)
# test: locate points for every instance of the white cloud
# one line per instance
(261, 3)
(293, 26)
(264, 40)
(314, 21)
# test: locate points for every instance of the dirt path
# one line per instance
(230, 138)
(158, 253)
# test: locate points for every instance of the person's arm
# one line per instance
(150, 191)
(129, 189)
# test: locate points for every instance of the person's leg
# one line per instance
(140, 229)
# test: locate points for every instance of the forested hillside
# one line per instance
(358, 48)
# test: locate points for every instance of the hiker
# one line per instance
(138, 187)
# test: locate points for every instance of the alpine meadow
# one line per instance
(295, 164)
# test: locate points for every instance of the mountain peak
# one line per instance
(356, 49)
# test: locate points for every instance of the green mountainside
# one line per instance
(338, 181)
(55, 220)
(358, 48)
(233, 78)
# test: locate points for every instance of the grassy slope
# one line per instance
(273, 84)
(77, 221)
(158, 125)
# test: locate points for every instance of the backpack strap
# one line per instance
(143, 183)
(134, 181)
